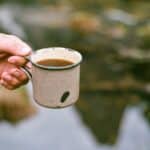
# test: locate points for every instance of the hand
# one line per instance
(12, 57)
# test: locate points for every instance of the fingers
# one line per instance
(9, 82)
(6, 85)
(17, 60)
(19, 75)
(14, 79)
(13, 45)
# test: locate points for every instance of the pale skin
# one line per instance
(12, 56)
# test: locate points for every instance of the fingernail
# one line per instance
(25, 50)
(11, 60)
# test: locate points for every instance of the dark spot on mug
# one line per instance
(65, 96)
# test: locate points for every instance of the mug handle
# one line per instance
(27, 72)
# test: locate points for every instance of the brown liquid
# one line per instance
(54, 62)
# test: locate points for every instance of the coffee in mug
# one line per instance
(54, 62)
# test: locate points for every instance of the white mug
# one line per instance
(55, 87)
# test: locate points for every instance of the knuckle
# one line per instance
(14, 82)
(13, 37)
(7, 78)
(23, 77)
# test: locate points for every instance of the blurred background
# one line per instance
(113, 112)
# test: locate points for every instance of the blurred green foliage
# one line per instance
(29, 2)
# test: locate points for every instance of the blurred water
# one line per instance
(134, 132)
(50, 129)
(64, 130)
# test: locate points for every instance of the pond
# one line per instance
(64, 130)
(113, 110)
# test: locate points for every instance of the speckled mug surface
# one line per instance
(56, 87)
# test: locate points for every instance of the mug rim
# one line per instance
(57, 68)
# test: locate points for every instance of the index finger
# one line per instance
(13, 45)
(17, 60)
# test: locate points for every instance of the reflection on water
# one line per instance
(64, 130)
(50, 129)
(102, 112)
(134, 132)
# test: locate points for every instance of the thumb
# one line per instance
(13, 45)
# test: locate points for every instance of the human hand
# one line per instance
(12, 57)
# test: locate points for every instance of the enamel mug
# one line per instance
(55, 86)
